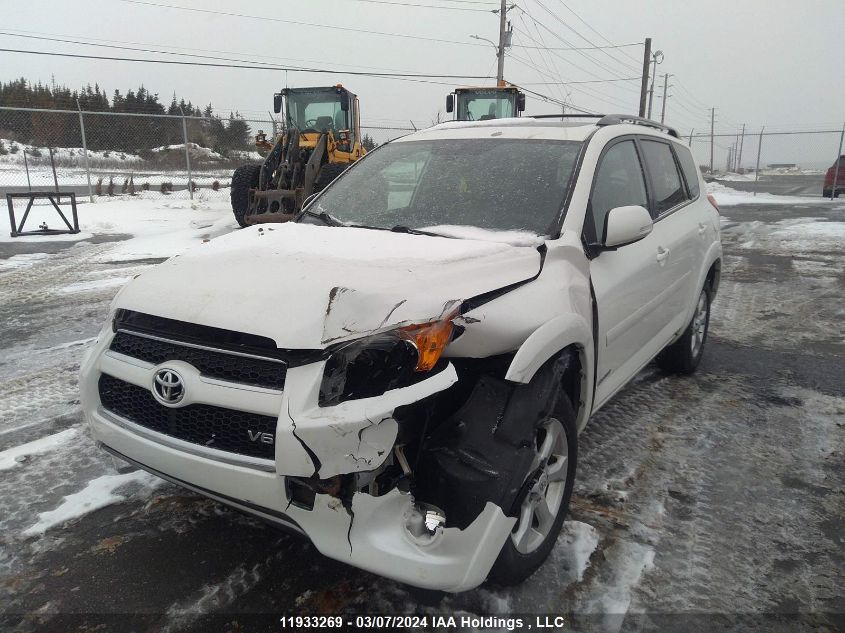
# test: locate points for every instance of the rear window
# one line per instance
(689, 169)
(668, 190)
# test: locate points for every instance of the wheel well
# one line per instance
(713, 277)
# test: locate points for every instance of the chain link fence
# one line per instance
(108, 154)
(773, 151)
(111, 154)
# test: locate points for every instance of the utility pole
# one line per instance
(646, 68)
(757, 168)
(500, 72)
(690, 136)
(741, 143)
(736, 151)
(712, 121)
(655, 61)
(665, 86)
(729, 162)
(838, 162)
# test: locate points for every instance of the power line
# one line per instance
(589, 26)
(251, 67)
(96, 42)
(586, 39)
(578, 48)
(262, 18)
(424, 6)
(588, 81)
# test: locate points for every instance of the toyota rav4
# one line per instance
(402, 372)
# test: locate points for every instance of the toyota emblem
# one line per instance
(168, 387)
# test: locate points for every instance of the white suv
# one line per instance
(401, 373)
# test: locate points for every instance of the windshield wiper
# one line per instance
(328, 220)
(399, 228)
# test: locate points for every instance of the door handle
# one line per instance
(702, 228)
(662, 254)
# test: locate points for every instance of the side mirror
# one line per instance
(277, 102)
(520, 102)
(344, 101)
(626, 225)
(450, 103)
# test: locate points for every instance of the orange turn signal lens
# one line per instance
(431, 339)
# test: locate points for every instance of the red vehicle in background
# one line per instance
(827, 190)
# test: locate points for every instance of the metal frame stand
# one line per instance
(55, 200)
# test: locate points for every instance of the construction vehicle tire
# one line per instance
(328, 173)
(244, 179)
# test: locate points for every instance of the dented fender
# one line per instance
(549, 339)
(353, 436)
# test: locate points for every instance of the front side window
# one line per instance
(665, 179)
(619, 183)
(495, 184)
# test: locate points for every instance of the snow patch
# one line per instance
(96, 284)
(579, 540)
(612, 598)
(24, 260)
(725, 196)
(17, 454)
(99, 493)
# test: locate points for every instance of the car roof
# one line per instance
(551, 128)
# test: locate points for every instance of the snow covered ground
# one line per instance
(716, 494)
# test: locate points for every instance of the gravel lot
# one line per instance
(702, 503)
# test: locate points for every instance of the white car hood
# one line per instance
(307, 286)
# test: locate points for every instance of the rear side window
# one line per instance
(665, 179)
(619, 182)
(689, 169)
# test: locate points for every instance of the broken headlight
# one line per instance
(368, 367)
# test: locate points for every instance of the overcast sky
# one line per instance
(762, 62)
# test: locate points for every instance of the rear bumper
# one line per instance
(371, 533)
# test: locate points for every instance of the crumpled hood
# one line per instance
(307, 286)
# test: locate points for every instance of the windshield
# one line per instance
(486, 106)
(315, 110)
(496, 184)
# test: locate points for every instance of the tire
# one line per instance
(523, 553)
(826, 193)
(683, 356)
(244, 179)
(327, 174)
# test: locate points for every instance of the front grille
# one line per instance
(211, 363)
(202, 424)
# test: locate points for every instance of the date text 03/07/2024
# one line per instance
(416, 622)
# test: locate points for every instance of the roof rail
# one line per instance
(576, 115)
(616, 119)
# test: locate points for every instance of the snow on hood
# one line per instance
(514, 238)
(307, 286)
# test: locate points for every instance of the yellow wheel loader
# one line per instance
(321, 138)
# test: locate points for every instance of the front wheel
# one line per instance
(544, 500)
(244, 179)
(683, 356)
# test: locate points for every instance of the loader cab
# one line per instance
(312, 111)
(483, 104)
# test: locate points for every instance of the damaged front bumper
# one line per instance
(380, 534)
